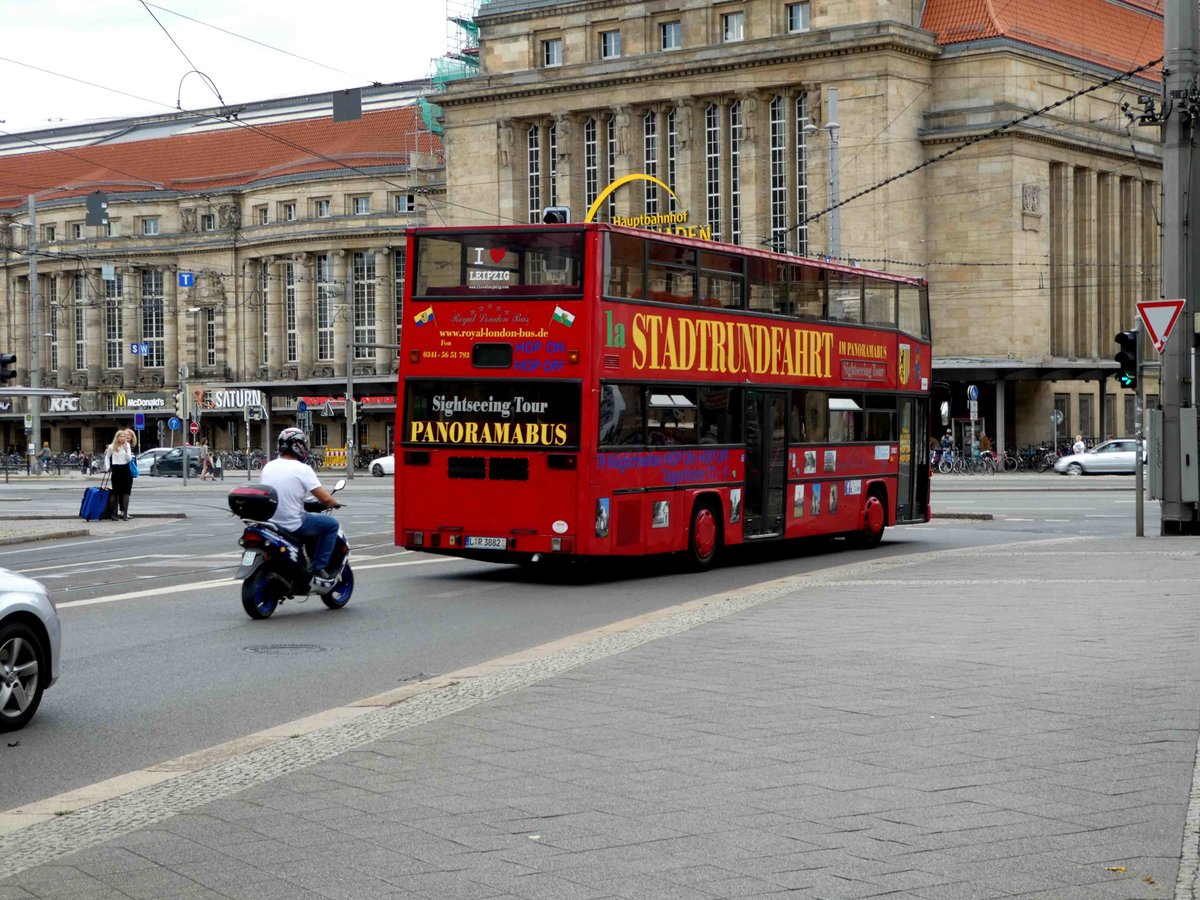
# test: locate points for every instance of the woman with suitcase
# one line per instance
(116, 460)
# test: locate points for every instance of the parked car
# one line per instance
(147, 458)
(385, 465)
(1115, 457)
(171, 463)
(30, 638)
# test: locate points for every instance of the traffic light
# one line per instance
(358, 408)
(7, 362)
(180, 409)
(556, 215)
(1127, 359)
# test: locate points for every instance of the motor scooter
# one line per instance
(275, 562)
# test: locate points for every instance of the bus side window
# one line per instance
(718, 418)
(621, 417)
(624, 269)
(760, 286)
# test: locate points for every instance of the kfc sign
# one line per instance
(64, 404)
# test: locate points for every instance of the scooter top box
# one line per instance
(253, 501)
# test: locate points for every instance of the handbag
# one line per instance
(133, 469)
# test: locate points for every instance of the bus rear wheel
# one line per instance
(704, 537)
(874, 519)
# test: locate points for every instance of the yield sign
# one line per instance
(1159, 317)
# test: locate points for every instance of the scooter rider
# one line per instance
(292, 478)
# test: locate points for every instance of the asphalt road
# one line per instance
(160, 660)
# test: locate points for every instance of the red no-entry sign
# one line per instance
(195, 428)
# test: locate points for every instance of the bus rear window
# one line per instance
(518, 415)
(499, 263)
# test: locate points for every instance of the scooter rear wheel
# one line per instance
(261, 593)
(340, 595)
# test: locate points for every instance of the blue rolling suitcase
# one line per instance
(96, 502)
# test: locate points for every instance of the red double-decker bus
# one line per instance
(594, 390)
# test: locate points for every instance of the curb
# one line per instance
(52, 517)
(47, 536)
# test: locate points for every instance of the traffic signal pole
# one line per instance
(1180, 261)
(1139, 503)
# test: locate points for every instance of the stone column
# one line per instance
(21, 328)
(306, 320)
(385, 310)
(506, 170)
(66, 328)
(689, 160)
(172, 315)
(343, 306)
(131, 326)
(277, 316)
(627, 142)
(1084, 274)
(95, 327)
(569, 176)
(752, 167)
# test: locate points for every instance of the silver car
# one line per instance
(30, 639)
(1116, 457)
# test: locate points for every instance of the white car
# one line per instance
(1116, 457)
(30, 638)
(147, 458)
(385, 465)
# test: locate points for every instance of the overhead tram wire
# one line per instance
(252, 40)
(995, 132)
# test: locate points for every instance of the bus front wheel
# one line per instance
(704, 538)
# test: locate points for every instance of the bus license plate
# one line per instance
(487, 543)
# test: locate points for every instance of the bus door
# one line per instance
(766, 463)
(912, 488)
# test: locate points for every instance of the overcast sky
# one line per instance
(115, 48)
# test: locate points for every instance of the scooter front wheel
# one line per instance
(261, 593)
(340, 595)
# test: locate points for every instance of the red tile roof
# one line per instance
(221, 159)
(1116, 34)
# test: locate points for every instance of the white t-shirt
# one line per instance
(291, 479)
(1078, 447)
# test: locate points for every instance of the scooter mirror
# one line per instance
(341, 483)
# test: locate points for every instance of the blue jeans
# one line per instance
(324, 529)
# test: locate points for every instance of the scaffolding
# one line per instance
(460, 61)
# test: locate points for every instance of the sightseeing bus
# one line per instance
(596, 390)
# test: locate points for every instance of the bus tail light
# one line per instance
(414, 356)
(562, 545)
(573, 357)
(561, 461)
(416, 538)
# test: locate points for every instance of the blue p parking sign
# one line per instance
(139, 421)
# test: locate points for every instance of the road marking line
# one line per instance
(228, 581)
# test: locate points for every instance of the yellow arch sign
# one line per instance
(621, 182)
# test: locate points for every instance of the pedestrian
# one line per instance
(947, 442)
(218, 466)
(205, 459)
(85, 464)
(116, 461)
(1079, 446)
(44, 457)
(985, 443)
